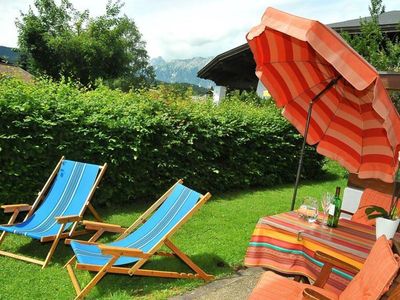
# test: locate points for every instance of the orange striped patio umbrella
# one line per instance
(329, 93)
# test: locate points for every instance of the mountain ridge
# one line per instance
(181, 70)
(172, 71)
(9, 54)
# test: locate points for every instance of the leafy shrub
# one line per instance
(147, 141)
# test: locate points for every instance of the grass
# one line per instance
(216, 238)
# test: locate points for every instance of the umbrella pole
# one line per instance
(310, 107)
(296, 185)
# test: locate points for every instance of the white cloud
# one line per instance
(183, 29)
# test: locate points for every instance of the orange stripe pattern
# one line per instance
(287, 244)
(354, 122)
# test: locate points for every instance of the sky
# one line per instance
(179, 29)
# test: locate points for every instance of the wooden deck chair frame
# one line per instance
(15, 209)
(329, 262)
(136, 269)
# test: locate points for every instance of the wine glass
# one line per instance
(325, 204)
(309, 209)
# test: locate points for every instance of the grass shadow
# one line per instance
(144, 287)
(35, 249)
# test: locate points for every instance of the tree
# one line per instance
(376, 47)
(58, 40)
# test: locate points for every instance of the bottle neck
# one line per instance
(337, 193)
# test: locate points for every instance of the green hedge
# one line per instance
(148, 139)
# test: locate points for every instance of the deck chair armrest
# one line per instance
(120, 251)
(329, 263)
(92, 225)
(67, 219)
(13, 207)
(326, 258)
(310, 294)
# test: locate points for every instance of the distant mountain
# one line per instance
(8, 54)
(181, 70)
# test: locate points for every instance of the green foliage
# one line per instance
(185, 87)
(59, 40)
(375, 47)
(249, 97)
(374, 212)
(148, 138)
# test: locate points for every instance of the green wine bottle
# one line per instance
(334, 209)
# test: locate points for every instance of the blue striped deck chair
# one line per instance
(138, 243)
(59, 207)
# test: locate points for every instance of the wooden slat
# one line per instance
(140, 272)
(74, 281)
(325, 258)
(10, 222)
(63, 236)
(188, 261)
(93, 189)
(67, 219)
(53, 246)
(310, 294)
(68, 242)
(148, 212)
(94, 268)
(374, 184)
(94, 213)
(166, 274)
(20, 257)
(390, 80)
(121, 251)
(91, 225)
(12, 207)
(45, 188)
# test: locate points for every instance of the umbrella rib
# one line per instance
(310, 88)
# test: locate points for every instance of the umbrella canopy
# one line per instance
(353, 121)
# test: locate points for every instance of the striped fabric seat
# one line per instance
(66, 197)
(168, 215)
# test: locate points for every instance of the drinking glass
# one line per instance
(325, 204)
(309, 209)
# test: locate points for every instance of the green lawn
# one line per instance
(215, 238)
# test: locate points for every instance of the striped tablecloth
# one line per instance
(287, 244)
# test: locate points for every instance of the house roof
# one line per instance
(14, 71)
(235, 67)
(388, 21)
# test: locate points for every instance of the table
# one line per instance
(287, 244)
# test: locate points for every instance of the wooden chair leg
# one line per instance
(53, 246)
(2, 236)
(93, 239)
(94, 213)
(73, 278)
(97, 235)
(71, 261)
(11, 221)
(323, 275)
(188, 261)
(96, 278)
